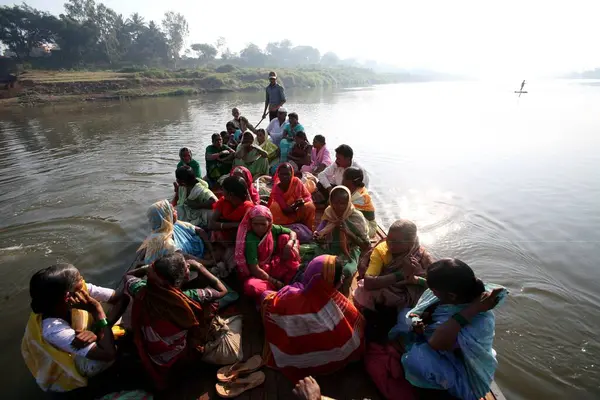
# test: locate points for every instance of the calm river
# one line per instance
(510, 185)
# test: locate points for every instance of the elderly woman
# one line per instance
(448, 335)
(170, 235)
(266, 255)
(251, 156)
(396, 269)
(343, 231)
(174, 328)
(310, 327)
(290, 201)
(193, 198)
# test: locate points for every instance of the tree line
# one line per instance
(89, 34)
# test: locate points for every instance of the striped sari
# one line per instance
(361, 199)
(310, 327)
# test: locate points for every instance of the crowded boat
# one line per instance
(284, 223)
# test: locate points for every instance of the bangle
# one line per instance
(462, 321)
(101, 323)
(221, 226)
(399, 275)
(421, 281)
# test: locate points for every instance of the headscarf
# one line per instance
(296, 190)
(254, 196)
(350, 217)
(266, 245)
(322, 268)
(268, 146)
(160, 241)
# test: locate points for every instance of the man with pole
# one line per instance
(275, 97)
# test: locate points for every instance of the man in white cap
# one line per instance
(275, 128)
(275, 97)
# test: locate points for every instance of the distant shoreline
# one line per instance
(41, 87)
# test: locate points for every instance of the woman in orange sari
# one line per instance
(290, 201)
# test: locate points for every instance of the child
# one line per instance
(185, 155)
(58, 348)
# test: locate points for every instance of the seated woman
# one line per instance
(235, 134)
(175, 328)
(343, 231)
(353, 179)
(310, 327)
(193, 198)
(245, 174)
(251, 156)
(290, 201)
(300, 153)
(265, 143)
(396, 267)
(185, 156)
(320, 158)
(170, 235)
(266, 255)
(58, 348)
(219, 160)
(229, 210)
(448, 336)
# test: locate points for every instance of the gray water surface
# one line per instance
(510, 185)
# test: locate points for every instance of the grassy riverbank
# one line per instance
(40, 87)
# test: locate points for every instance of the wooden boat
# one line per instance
(352, 382)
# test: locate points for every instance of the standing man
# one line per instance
(275, 97)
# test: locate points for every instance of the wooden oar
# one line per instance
(256, 126)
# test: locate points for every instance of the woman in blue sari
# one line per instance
(170, 235)
(448, 335)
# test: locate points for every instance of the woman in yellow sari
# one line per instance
(361, 199)
(290, 201)
(265, 143)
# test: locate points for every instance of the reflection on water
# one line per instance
(507, 184)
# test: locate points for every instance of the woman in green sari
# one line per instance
(343, 232)
(193, 198)
(251, 156)
(265, 143)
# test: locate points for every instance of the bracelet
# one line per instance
(462, 321)
(101, 323)
(421, 281)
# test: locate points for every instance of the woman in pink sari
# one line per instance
(266, 255)
(320, 157)
(244, 173)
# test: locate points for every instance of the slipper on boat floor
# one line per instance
(231, 372)
(229, 390)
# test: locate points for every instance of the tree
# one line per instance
(252, 55)
(330, 59)
(135, 25)
(205, 51)
(176, 30)
(305, 55)
(23, 29)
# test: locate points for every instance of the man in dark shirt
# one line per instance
(275, 97)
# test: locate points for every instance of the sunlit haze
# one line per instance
(511, 39)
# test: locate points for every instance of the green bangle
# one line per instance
(462, 321)
(421, 281)
(101, 323)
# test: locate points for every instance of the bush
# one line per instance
(223, 69)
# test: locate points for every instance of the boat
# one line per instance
(521, 91)
(353, 382)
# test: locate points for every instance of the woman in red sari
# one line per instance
(244, 173)
(267, 255)
(290, 201)
(229, 210)
(310, 327)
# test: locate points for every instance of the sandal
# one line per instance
(231, 372)
(229, 390)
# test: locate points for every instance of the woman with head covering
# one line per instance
(266, 255)
(448, 335)
(310, 327)
(169, 235)
(290, 201)
(395, 270)
(245, 174)
(251, 156)
(343, 230)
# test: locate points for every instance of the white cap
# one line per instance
(281, 109)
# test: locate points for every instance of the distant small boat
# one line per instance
(521, 91)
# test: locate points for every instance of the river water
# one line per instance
(510, 185)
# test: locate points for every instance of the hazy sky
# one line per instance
(485, 38)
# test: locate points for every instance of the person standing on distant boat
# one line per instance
(522, 85)
(275, 97)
